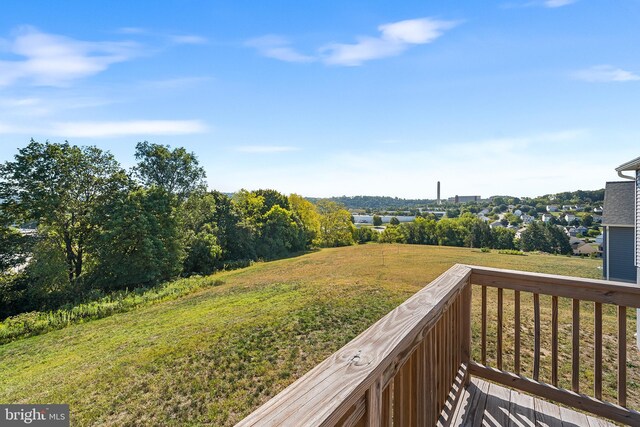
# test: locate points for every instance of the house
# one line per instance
(569, 218)
(496, 224)
(619, 232)
(598, 210)
(575, 242)
(546, 217)
(572, 231)
(581, 229)
(586, 249)
(552, 208)
(527, 219)
(517, 212)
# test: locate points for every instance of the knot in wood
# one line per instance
(359, 360)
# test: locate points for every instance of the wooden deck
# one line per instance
(409, 367)
(488, 404)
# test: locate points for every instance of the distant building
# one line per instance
(552, 208)
(527, 219)
(619, 236)
(569, 217)
(546, 217)
(464, 199)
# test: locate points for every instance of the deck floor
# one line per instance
(488, 404)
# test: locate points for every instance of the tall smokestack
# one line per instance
(438, 192)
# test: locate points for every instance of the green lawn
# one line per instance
(211, 357)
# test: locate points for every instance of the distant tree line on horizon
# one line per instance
(374, 204)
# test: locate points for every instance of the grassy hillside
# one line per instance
(213, 356)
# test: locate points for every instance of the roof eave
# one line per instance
(630, 165)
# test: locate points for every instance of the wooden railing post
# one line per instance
(466, 331)
(622, 356)
(374, 404)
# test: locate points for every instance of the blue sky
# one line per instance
(322, 98)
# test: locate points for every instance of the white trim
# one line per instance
(618, 225)
(607, 238)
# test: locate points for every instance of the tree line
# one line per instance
(101, 228)
(97, 228)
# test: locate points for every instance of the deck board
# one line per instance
(488, 404)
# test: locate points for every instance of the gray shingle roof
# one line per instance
(619, 205)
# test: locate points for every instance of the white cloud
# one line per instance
(131, 30)
(277, 47)
(558, 3)
(605, 73)
(551, 4)
(395, 38)
(54, 60)
(188, 39)
(125, 128)
(266, 148)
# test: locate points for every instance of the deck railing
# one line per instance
(576, 295)
(410, 367)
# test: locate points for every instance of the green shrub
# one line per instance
(511, 252)
(38, 322)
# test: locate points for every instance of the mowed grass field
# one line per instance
(213, 356)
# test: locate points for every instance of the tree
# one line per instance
(377, 221)
(60, 186)
(453, 213)
(503, 238)
(546, 238)
(450, 232)
(558, 240)
(394, 221)
(422, 231)
(234, 235)
(281, 234)
(390, 234)
(587, 220)
(309, 216)
(175, 171)
(140, 242)
(336, 228)
(364, 234)
(198, 214)
(272, 198)
(534, 239)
